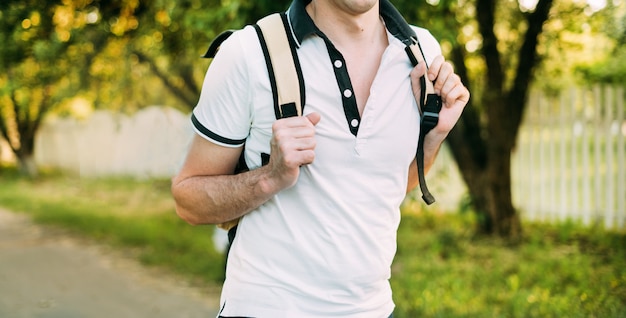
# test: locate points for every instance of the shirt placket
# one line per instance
(348, 100)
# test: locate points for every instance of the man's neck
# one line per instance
(347, 24)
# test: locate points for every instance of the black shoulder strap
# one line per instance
(429, 105)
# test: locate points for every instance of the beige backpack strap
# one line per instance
(282, 63)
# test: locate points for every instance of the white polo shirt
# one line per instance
(324, 247)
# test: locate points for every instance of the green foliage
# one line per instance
(164, 42)
(611, 71)
(584, 46)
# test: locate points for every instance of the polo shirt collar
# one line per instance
(303, 26)
(301, 23)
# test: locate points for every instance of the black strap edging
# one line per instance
(296, 61)
(270, 70)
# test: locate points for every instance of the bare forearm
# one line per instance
(221, 198)
(432, 144)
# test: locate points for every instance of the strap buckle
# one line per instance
(430, 116)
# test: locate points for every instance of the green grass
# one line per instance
(441, 269)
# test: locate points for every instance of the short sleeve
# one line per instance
(224, 110)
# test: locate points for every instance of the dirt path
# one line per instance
(46, 273)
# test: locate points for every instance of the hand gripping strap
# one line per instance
(429, 105)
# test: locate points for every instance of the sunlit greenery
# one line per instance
(580, 35)
(612, 67)
(122, 53)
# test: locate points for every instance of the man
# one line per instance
(318, 230)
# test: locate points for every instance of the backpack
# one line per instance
(287, 85)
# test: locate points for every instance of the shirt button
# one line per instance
(347, 93)
(338, 64)
(354, 122)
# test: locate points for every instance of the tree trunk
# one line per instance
(490, 189)
(482, 145)
(484, 160)
(505, 220)
(27, 165)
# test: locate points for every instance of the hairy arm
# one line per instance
(207, 192)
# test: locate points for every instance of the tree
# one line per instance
(497, 47)
(44, 60)
(56, 50)
(32, 78)
(488, 173)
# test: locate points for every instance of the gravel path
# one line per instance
(46, 273)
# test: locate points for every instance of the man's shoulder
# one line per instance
(240, 50)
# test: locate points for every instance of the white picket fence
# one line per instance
(569, 162)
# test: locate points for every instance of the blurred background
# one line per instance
(102, 90)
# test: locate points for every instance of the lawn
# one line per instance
(441, 269)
